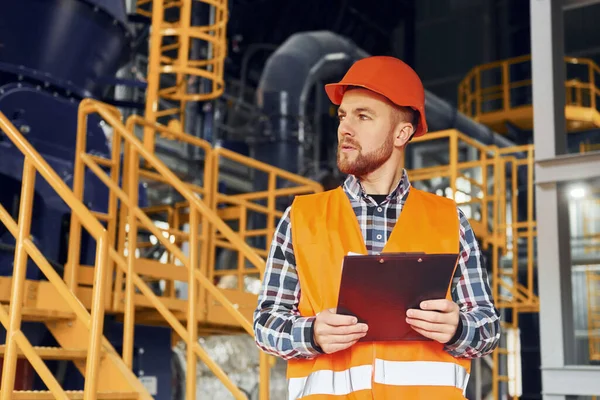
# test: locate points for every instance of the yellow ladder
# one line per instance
(169, 59)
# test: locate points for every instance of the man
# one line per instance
(381, 107)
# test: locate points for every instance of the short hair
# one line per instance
(409, 114)
(405, 114)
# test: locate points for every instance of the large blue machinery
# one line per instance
(53, 53)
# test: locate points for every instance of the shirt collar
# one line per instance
(355, 189)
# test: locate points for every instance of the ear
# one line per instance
(402, 134)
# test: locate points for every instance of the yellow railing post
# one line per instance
(505, 86)
(119, 297)
(241, 260)
(192, 317)
(530, 220)
(592, 80)
(18, 281)
(183, 55)
(207, 238)
(132, 161)
(453, 148)
(485, 190)
(74, 252)
(152, 97)
(92, 365)
(112, 213)
(271, 205)
(478, 97)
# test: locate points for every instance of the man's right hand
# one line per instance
(334, 332)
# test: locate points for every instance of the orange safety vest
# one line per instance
(324, 230)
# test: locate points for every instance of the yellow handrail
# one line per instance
(477, 98)
(33, 163)
(247, 202)
(134, 149)
(180, 186)
(500, 232)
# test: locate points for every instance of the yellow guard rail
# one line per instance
(200, 214)
(487, 206)
(35, 164)
(500, 92)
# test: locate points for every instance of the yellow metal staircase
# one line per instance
(78, 333)
(119, 279)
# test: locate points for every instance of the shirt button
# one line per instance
(379, 237)
(379, 209)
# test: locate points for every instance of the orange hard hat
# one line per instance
(388, 76)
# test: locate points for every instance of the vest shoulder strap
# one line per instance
(431, 199)
(312, 205)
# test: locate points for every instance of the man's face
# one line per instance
(365, 133)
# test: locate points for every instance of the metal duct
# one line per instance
(441, 115)
(297, 64)
(283, 89)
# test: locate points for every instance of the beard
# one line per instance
(360, 164)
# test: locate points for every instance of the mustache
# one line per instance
(349, 142)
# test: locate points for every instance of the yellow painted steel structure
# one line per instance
(500, 92)
(485, 186)
(76, 330)
(117, 283)
(590, 210)
(174, 77)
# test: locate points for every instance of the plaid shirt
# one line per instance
(279, 328)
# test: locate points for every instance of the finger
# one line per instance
(338, 319)
(430, 316)
(428, 326)
(344, 330)
(438, 337)
(341, 339)
(442, 305)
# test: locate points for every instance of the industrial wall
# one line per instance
(454, 36)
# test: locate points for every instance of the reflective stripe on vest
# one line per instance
(395, 373)
(331, 382)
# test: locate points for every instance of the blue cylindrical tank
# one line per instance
(70, 44)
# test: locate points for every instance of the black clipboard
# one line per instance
(379, 289)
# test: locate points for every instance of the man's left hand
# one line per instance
(436, 320)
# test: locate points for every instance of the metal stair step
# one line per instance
(41, 315)
(71, 394)
(53, 353)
